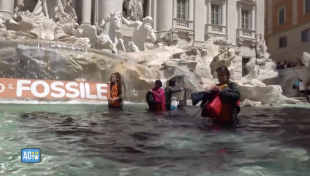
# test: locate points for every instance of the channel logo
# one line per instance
(31, 155)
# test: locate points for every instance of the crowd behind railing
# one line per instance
(289, 64)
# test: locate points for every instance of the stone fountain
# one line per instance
(46, 42)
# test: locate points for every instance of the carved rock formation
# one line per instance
(215, 53)
(46, 21)
(262, 67)
(170, 38)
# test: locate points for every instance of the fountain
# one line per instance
(47, 43)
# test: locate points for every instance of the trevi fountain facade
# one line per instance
(144, 40)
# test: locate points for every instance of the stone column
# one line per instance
(164, 15)
(200, 19)
(6, 8)
(238, 65)
(86, 11)
(108, 6)
(269, 16)
(231, 24)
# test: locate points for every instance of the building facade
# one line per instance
(287, 28)
(195, 21)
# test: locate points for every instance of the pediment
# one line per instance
(247, 2)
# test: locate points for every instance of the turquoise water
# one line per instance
(78, 140)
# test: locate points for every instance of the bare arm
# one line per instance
(175, 90)
(150, 32)
(129, 23)
(152, 36)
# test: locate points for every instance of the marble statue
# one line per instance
(48, 20)
(35, 23)
(225, 56)
(2, 26)
(142, 30)
(262, 67)
(109, 33)
(305, 59)
(54, 8)
(133, 10)
(132, 47)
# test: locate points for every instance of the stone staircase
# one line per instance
(302, 99)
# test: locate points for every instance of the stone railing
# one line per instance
(183, 24)
(245, 33)
(215, 29)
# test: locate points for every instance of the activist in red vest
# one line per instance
(159, 103)
(229, 97)
(116, 92)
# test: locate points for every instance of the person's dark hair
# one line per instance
(119, 82)
(158, 83)
(223, 69)
(172, 82)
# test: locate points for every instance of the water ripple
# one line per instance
(88, 140)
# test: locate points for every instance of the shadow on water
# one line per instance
(94, 140)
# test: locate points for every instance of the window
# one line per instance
(281, 16)
(182, 9)
(245, 19)
(282, 42)
(216, 15)
(305, 35)
(307, 6)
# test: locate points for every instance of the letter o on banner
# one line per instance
(36, 93)
(2, 88)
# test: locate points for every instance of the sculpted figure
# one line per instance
(260, 67)
(142, 30)
(68, 9)
(1, 22)
(132, 47)
(306, 59)
(35, 23)
(54, 8)
(109, 33)
(134, 9)
(120, 44)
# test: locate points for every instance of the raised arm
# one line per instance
(129, 23)
(152, 36)
(174, 90)
(150, 32)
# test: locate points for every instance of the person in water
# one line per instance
(170, 90)
(116, 91)
(229, 95)
(158, 93)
